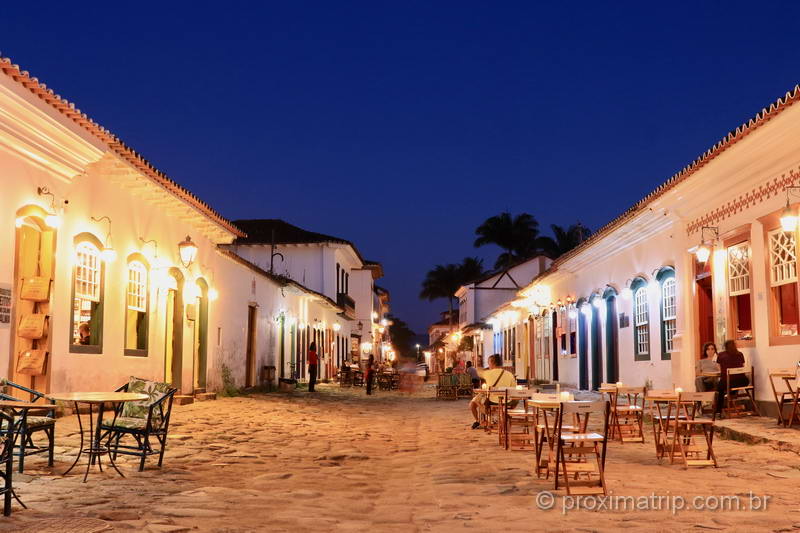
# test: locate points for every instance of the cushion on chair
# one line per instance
(126, 422)
(35, 422)
(154, 389)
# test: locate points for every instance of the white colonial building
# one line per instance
(112, 269)
(709, 255)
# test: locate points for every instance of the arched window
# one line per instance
(669, 310)
(641, 321)
(86, 327)
(136, 308)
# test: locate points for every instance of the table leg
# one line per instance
(108, 448)
(80, 448)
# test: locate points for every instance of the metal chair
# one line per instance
(153, 425)
(29, 426)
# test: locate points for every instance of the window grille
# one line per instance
(137, 286)
(641, 317)
(782, 257)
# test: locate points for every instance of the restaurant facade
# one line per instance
(710, 255)
(111, 269)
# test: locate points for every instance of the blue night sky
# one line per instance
(403, 126)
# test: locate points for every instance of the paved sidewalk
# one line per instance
(340, 461)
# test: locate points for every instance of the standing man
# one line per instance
(313, 364)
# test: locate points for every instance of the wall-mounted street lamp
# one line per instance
(108, 254)
(789, 217)
(703, 251)
(188, 251)
(52, 219)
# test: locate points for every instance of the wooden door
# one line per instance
(250, 362)
(34, 257)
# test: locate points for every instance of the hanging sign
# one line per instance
(35, 289)
(5, 305)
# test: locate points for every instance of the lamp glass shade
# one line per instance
(108, 255)
(703, 253)
(789, 220)
(188, 251)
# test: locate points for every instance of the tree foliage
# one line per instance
(444, 280)
(518, 236)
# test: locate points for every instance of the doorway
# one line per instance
(597, 350)
(173, 329)
(554, 348)
(583, 349)
(201, 336)
(250, 361)
(612, 336)
(34, 268)
(705, 311)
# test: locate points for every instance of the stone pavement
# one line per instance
(341, 461)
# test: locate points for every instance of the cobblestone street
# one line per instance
(340, 461)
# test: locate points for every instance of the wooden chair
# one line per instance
(627, 414)
(518, 420)
(663, 413)
(446, 389)
(785, 398)
(147, 422)
(29, 428)
(581, 455)
(737, 398)
(690, 426)
(546, 411)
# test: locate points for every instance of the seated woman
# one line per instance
(730, 358)
(706, 365)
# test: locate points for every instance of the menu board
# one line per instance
(5, 305)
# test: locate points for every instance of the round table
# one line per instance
(95, 449)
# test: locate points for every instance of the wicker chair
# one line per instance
(447, 387)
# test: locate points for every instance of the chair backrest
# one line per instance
(155, 390)
(690, 403)
(630, 395)
(780, 372)
(739, 370)
(580, 412)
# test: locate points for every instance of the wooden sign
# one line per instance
(32, 362)
(35, 289)
(5, 305)
(32, 326)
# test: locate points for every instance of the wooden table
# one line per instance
(547, 410)
(663, 412)
(99, 399)
(787, 375)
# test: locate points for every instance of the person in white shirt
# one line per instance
(495, 378)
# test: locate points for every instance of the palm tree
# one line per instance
(517, 235)
(563, 240)
(444, 280)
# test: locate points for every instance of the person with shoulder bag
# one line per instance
(497, 378)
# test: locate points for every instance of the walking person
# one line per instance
(313, 364)
(368, 373)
